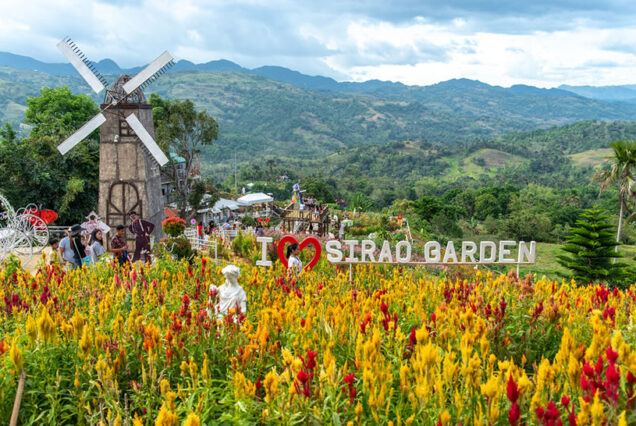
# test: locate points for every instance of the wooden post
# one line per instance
(18, 399)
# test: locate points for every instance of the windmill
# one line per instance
(129, 177)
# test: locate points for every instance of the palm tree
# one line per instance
(622, 162)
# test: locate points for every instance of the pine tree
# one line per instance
(591, 246)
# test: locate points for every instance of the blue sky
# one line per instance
(543, 43)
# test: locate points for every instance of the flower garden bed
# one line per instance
(397, 345)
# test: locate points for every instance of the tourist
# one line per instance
(200, 231)
(66, 252)
(96, 244)
(142, 230)
(77, 245)
(118, 245)
(294, 265)
(259, 229)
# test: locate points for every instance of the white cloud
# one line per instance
(414, 42)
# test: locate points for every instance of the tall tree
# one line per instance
(622, 163)
(183, 131)
(590, 249)
(33, 171)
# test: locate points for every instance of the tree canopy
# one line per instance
(182, 130)
(33, 171)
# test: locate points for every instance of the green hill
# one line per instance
(405, 168)
(262, 116)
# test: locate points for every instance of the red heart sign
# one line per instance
(307, 241)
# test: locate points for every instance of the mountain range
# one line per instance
(276, 111)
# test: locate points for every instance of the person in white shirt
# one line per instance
(294, 265)
(96, 245)
(66, 252)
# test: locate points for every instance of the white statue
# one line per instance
(230, 295)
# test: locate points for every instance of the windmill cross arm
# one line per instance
(82, 133)
(154, 67)
(146, 139)
(81, 67)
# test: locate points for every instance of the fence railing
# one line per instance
(201, 243)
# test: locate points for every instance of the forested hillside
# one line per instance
(559, 157)
(263, 116)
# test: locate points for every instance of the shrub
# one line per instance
(173, 226)
(248, 221)
(179, 247)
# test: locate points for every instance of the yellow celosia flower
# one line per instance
(166, 417)
(15, 353)
(164, 386)
(242, 386)
(192, 420)
(271, 383)
(358, 411)
(445, 417)
(86, 342)
(583, 417)
(490, 388)
(597, 411)
(46, 326)
(76, 382)
(31, 329)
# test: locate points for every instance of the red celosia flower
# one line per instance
(384, 308)
(585, 384)
(349, 378)
(612, 355)
(311, 360)
(552, 413)
(302, 376)
(512, 390)
(572, 417)
(540, 412)
(599, 365)
(565, 401)
(514, 413)
(588, 370)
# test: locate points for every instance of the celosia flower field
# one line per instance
(398, 345)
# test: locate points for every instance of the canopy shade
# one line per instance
(257, 198)
(224, 203)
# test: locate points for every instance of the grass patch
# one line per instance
(593, 157)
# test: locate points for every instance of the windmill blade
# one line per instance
(81, 134)
(150, 73)
(82, 65)
(146, 139)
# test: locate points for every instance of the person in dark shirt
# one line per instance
(142, 230)
(79, 251)
(118, 245)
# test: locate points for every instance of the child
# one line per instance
(50, 253)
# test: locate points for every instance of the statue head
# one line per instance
(231, 273)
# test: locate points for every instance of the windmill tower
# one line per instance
(129, 178)
(129, 157)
